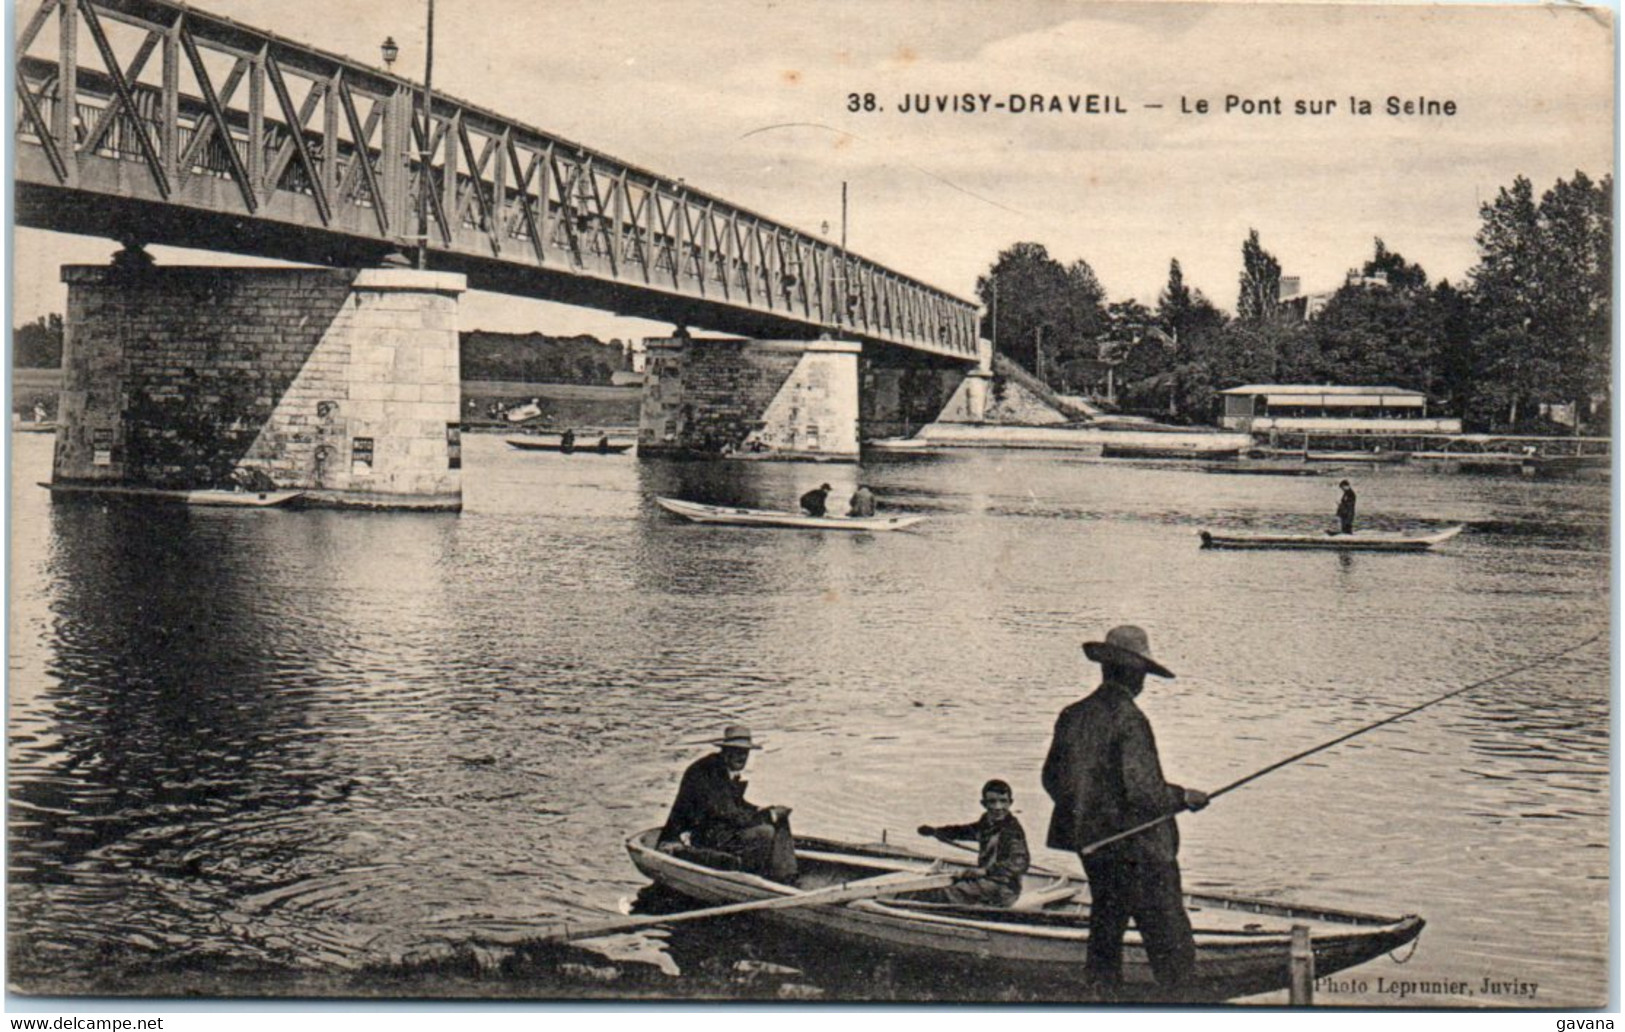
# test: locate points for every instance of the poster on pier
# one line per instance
(1099, 504)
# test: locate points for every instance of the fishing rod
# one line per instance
(1255, 775)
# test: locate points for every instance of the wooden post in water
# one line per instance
(1302, 991)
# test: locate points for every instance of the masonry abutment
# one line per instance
(770, 399)
(340, 383)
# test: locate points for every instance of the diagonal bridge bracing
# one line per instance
(153, 121)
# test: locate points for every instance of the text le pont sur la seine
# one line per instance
(1231, 104)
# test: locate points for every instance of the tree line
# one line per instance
(1526, 332)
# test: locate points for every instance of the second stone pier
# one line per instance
(783, 399)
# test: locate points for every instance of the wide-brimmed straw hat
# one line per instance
(735, 736)
(1126, 646)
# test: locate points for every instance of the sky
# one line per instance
(749, 100)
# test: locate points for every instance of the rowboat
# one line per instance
(1242, 945)
(897, 444)
(588, 448)
(1171, 450)
(1270, 470)
(209, 497)
(1363, 541)
(701, 513)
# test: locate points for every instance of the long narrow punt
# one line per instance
(1242, 945)
(1366, 541)
(700, 513)
(235, 499)
(590, 448)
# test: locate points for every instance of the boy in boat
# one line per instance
(1345, 508)
(710, 813)
(1001, 851)
(814, 502)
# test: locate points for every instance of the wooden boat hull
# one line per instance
(590, 448)
(1267, 471)
(224, 499)
(1369, 541)
(700, 513)
(1146, 451)
(1242, 945)
(897, 444)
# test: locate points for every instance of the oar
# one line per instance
(893, 884)
(1294, 758)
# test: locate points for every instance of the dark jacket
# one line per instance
(710, 805)
(1345, 505)
(1001, 848)
(1105, 777)
(813, 502)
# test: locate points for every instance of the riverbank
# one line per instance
(1192, 443)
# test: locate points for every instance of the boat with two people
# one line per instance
(699, 512)
(602, 447)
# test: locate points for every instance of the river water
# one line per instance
(260, 742)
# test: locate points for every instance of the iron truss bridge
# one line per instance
(150, 121)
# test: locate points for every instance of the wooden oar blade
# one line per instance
(893, 884)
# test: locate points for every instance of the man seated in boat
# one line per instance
(814, 502)
(862, 503)
(711, 818)
(1001, 851)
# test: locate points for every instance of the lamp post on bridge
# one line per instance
(428, 137)
(391, 50)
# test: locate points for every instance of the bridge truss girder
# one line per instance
(236, 139)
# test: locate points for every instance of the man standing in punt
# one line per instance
(1345, 508)
(1105, 777)
(711, 816)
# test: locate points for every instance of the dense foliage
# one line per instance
(1526, 335)
(38, 345)
(538, 358)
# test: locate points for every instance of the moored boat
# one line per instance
(1261, 469)
(1362, 541)
(1171, 450)
(210, 497)
(1242, 945)
(897, 444)
(701, 513)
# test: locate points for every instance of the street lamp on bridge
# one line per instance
(391, 50)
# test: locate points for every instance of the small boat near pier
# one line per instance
(701, 513)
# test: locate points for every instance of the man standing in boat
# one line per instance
(710, 813)
(1345, 508)
(1105, 777)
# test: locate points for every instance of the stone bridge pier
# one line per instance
(342, 383)
(783, 399)
(793, 399)
(901, 393)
